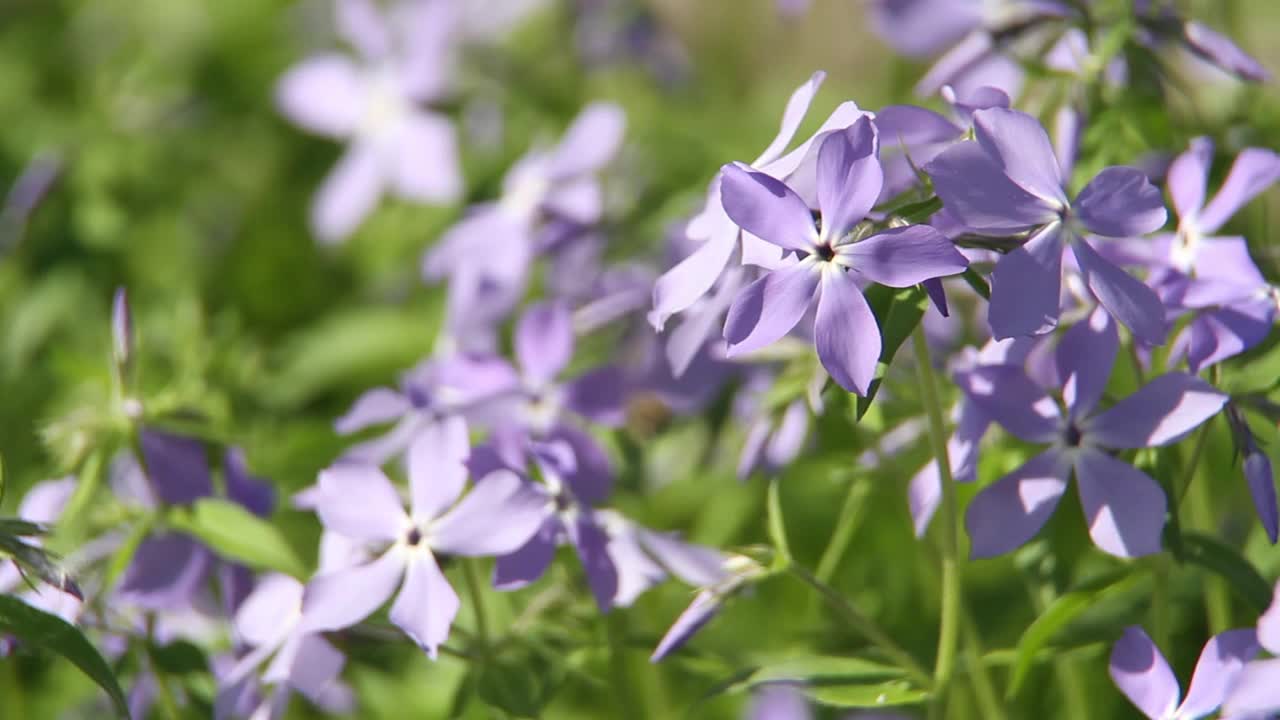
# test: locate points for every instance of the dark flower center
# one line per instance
(562, 501)
(1072, 436)
(826, 253)
(413, 537)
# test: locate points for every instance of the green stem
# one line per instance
(950, 511)
(983, 690)
(475, 590)
(846, 523)
(864, 625)
(164, 694)
(626, 696)
(1217, 600)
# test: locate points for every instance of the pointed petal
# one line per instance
(1221, 51)
(849, 177)
(437, 460)
(591, 476)
(323, 94)
(1019, 144)
(770, 307)
(1187, 177)
(924, 494)
(497, 517)
(341, 598)
(766, 208)
(902, 257)
(591, 543)
(1143, 675)
(257, 621)
(1127, 298)
(846, 333)
(704, 607)
(358, 501)
(1254, 170)
(1262, 487)
(177, 465)
(1161, 412)
(1010, 511)
(797, 107)
(1221, 661)
(316, 668)
(528, 563)
(426, 605)
(1123, 506)
(377, 406)
(360, 23)
(348, 194)
(1084, 357)
(166, 572)
(1006, 395)
(1026, 286)
(1121, 202)
(974, 188)
(680, 287)
(426, 166)
(600, 395)
(696, 565)
(544, 341)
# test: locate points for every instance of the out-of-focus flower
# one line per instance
(43, 504)
(1123, 506)
(1162, 25)
(1140, 671)
(376, 103)
(741, 572)
(1008, 181)
(487, 256)
(268, 625)
(1254, 695)
(359, 502)
(645, 557)
(831, 261)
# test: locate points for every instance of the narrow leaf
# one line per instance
(898, 312)
(1212, 554)
(897, 692)
(49, 632)
(237, 534)
(777, 526)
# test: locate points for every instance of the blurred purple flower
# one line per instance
(376, 103)
(1161, 25)
(268, 626)
(1254, 693)
(980, 37)
(645, 557)
(360, 503)
(487, 256)
(1009, 182)
(741, 572)
(1144, 676)
(1123, 506)
(831, 260)
(778, 701)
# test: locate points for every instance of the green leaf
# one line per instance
(821, 670)
(977, 282)
(1066, 608)
(237, 534)
(1212, 554)
(777, 525)
(520, 682)
(124, 554)
(49, 632)
(180, 657)
(1257, 374)
(897, 692)
(898, 312)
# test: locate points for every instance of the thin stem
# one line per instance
(626, 696)
(846, 523)
(951, 579)
(864, 625)
(1217, 600)
(983, 689)
(164, 694)
(474, 589)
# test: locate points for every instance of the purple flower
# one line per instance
(693, 277)
(742, 571)
(1143, 675)
(775, 436)
(831, 260)
(1254, 692)
(359, 502)
(644, 558)
(268, 625)
(376, 104)
(440, 387)
(1009, 182)
(1123, 506)
(487, 256)
(1162, 25)
(976, 34)
(572, 474)
(779, 701)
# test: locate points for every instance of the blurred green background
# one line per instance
(174, 175)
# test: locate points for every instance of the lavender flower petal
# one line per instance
(1121, 202)
(902, 257)
(975, 189)
(426, 605)
(845, 333)
(1123, 506)
(1254, 170)
(770, 307)
(437, 466)
(767, 208)
(497, 517)
(1128, 299)
(323, 95)
(1019, 144)
(1084, 357)
(348, 194)
(1007, 396)
(528, 563)
(1026, 286)
(1143, 675)
(1221, 661)
(1010, 511)
(544, 341)
(1161, 412)
(849, 177)
(341, 598)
